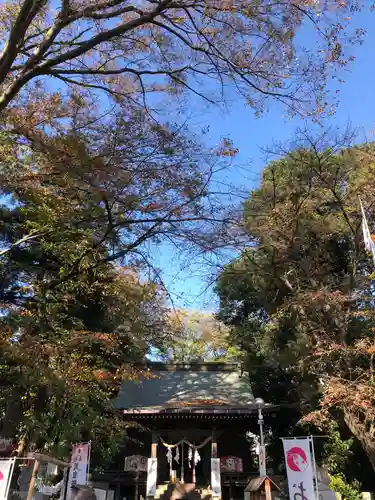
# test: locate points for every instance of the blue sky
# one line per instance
(188, 284)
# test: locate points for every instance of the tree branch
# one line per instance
(24, 239)
(26, 15)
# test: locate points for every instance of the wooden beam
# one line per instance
(30, 492)
(41, 457)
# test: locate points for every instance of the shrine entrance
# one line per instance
(185, 461)
(197, 419)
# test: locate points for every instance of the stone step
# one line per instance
(178, 491)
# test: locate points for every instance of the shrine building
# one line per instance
(191, 433)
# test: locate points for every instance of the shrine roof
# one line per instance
(194, 387)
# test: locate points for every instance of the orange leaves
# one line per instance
(86, 335)
(227, 149)
(152, 207)
(103, 375)
(356, 397)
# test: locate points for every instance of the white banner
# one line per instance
(215, 477)
(78, 466)
(152, 476)
(300, 469)
(6, 469)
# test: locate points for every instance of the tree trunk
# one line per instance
(366, 438)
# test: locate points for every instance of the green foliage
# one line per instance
(77, 310)
(337, 452)
(347, 491)
(299, 299)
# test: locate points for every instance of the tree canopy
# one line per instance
(197, 336)
(299, 298)
(131, 51)
(80, 298)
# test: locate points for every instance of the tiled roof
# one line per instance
(195, 386)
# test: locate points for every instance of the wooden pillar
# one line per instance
(136, 489)
(118, 491)
(267, 488)
(154, 445)
(182, 463)
(213, 447)
(30, 492)
(214, 444)
(151, 472)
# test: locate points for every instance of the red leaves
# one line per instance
(103, 375)
(152, 207)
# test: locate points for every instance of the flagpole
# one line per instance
(88, 462)
(314, 467)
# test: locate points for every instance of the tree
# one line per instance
(300, 296)
(77, 307)
(59, 376)
(123, 184)
(127, 51)
(197, 336)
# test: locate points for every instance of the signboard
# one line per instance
(6, 470)
(215, 477)
(152, 468)
(79, 466)
(300, 469)
(231, 464)
(136, 463)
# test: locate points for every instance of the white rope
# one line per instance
(195, 446)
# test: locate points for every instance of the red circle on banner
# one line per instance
(296, 459)
(1, 476)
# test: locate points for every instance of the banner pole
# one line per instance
(314, 468)
(64, 489)
(88, 463)
(31, 490)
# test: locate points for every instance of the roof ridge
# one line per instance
(191, 366)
